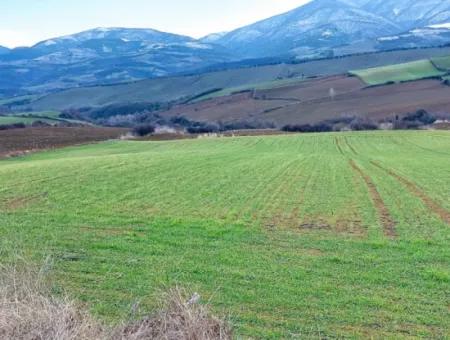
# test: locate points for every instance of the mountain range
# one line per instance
(321, 28)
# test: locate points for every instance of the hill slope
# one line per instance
(104, 56)
(3, 50)
(324, 27)
(176, 88)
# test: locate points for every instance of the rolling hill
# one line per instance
(334, 27)
(185, 87)
(415, 70)
(310, 30)
(321, 28)
(104, 56)
(3, 50)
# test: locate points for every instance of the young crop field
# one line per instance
(442, 63)
(295, 236)
(250, 87)
(415, 70)
(28, 118)
(5, 120)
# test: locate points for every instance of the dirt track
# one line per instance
(21, 141)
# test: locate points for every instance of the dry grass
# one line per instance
(28, 311)
(178, 320)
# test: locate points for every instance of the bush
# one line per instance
(203, 128)
(245, 125)
(143, 130)
(28, 310)
(12, 126)
(308, 128)
(363, 124)
(421, 116)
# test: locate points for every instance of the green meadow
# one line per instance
(340, 235)
(415, 70)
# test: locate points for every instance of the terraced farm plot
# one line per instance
(331, 235)
(416, 70)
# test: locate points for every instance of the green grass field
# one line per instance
(44, 114)
(327, 236)
(259, 86)
(4, 120)
(442, 63)
(416, 70)
(28, 118)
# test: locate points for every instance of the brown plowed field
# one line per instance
(21, 141)
(321, 99)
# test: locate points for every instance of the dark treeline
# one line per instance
(410, 121)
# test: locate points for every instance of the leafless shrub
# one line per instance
(28, 311)
(179, 320)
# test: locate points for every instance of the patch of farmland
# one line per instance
(251, 87)
(43, 114)
(22, 141)
(442, 63)
(186, 87)
(416, 70)
(5, 120)
(316, 100)
(343, 235)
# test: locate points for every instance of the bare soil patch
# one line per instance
(23, 141)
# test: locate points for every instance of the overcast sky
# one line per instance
(25, 22)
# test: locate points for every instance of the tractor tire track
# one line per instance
(416, 191)
(350, 146)
(384, 215)
(338, 145)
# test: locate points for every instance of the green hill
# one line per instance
(188, 87)
(416, 70)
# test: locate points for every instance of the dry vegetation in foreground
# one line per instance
(28, 310)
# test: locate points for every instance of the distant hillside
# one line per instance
(185, 87)
(317, 100)
(319, 29)
(335, 27)
(103, 56)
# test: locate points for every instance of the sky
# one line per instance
(26, 22)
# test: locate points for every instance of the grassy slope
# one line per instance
(169, 89)
(397, 73)
(258, 86)
(279, 231)
(50, 117)
(45, 114)
(4, 120)
(442, 63)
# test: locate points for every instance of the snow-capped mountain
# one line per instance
(105, 55)
(3, 50)
(434, 35)
(325, 27)
(213, 37)
(321, 28)
(410, 14)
